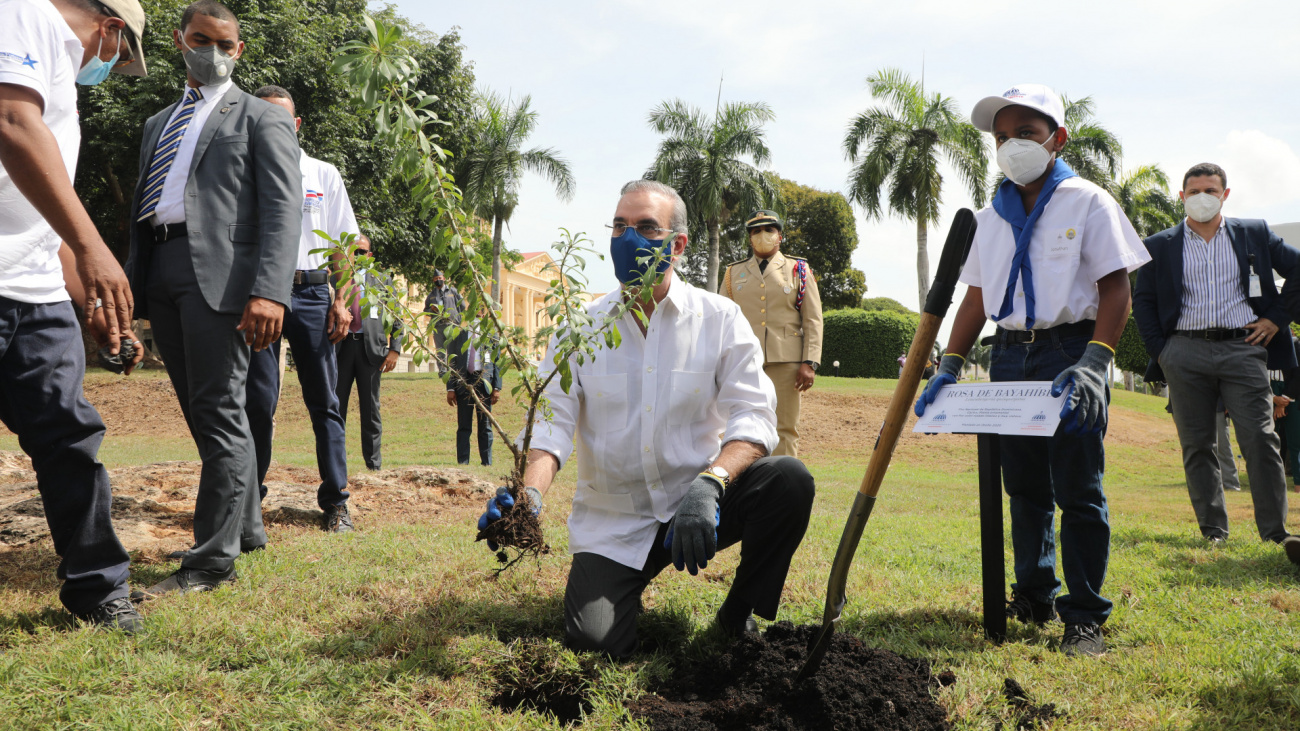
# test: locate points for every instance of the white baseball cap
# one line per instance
(1035, 96)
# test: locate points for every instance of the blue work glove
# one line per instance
(1084, 411)
(502, 501)
(693, 533)
(949, 369)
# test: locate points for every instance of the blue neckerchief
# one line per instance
(1011, 207)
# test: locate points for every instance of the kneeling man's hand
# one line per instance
(693, 535)
(502, 501)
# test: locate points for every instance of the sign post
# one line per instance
(988, 410)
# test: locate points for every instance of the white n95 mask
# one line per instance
(1024, 161)
(1202, 207)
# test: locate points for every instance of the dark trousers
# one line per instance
(317, 367)
(765, 510)
(355, 366)
(42, 365)
(207, 362)
(1042, 473)
(467, 414)
(1202, 374)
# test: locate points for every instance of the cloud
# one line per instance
(1263, 172)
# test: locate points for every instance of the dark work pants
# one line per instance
(42, 365)
(1042, 473)
(765, 510)
(317, 367)
(207, 362)
(355, 365)
(466, 416)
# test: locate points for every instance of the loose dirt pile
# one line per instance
(153, 505)
(751, 687)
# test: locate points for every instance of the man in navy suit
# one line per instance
(1210, 315)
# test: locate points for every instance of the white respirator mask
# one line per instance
(1024, 161)
(1202, 207)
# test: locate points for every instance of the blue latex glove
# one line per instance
(949, 368)
(693, 533)
(1084, 411)
(503, 500)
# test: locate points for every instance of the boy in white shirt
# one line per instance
(1049, 264)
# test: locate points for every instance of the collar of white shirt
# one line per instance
(1187, 226)
(210, 91)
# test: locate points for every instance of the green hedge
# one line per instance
(866, 343)
(1131, 355)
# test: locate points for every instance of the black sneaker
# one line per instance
(117, 614)
(1083, 639)
(337, 519)
(735, 628)
(1023, 609)
(1291, 544)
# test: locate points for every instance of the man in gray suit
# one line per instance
(366, 352)
(217, 212)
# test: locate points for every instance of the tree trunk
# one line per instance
(922, 261)
(711, 278)
(496, 259)
(1128, 381)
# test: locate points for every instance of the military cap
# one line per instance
(764, 217)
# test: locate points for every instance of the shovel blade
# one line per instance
(836, 597)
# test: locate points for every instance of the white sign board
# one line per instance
(1023, 408)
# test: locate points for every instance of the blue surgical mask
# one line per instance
(96, 69)
(627, 249)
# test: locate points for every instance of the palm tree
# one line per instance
(895, 149)
(704, 160)
(1092, 151)
(1144, 195)
(494, 164)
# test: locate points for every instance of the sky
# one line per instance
(1178, 83)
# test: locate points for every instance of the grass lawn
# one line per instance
(401, 625)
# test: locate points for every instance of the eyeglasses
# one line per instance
(645, 229)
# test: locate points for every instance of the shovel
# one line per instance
(936, 306)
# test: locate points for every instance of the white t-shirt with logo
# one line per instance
(1082, 236)
(40, 52)
(325, 207)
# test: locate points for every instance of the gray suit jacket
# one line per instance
(243, 205)
(378, 343)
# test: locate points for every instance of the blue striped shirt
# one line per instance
(1212, 292)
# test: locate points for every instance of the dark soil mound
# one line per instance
(751, 686)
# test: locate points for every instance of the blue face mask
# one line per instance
(625, 250)
(96, 69)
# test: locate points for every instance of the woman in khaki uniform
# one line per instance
(778, 295)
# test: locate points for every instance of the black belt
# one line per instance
(1014, 337)
(355, 336)
(311, 276)
(165, 232)
(1215, 333)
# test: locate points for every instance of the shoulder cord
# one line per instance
(800, 270)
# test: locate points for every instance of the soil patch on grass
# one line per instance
(153, 505)
(751, 686)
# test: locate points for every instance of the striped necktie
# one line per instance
(168, 145)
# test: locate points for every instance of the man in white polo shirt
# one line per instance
(1049, 265)
(318, 319)
(44, 49)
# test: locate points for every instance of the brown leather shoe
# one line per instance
(186, 581)
(1291, 544)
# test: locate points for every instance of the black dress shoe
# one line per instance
(735, 627)
(117, 614)
(186, 581)
(337, 519)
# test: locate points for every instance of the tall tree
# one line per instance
(704, 159)
(1144, 195)
(1093, 151)
(895, 149)
(494, 163)
(819, 226)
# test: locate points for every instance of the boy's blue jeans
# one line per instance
(1063, 470)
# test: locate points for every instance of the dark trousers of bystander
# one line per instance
(355, 366)
(765, 510)
(468, 417)
(42, 364)
(317, 368)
